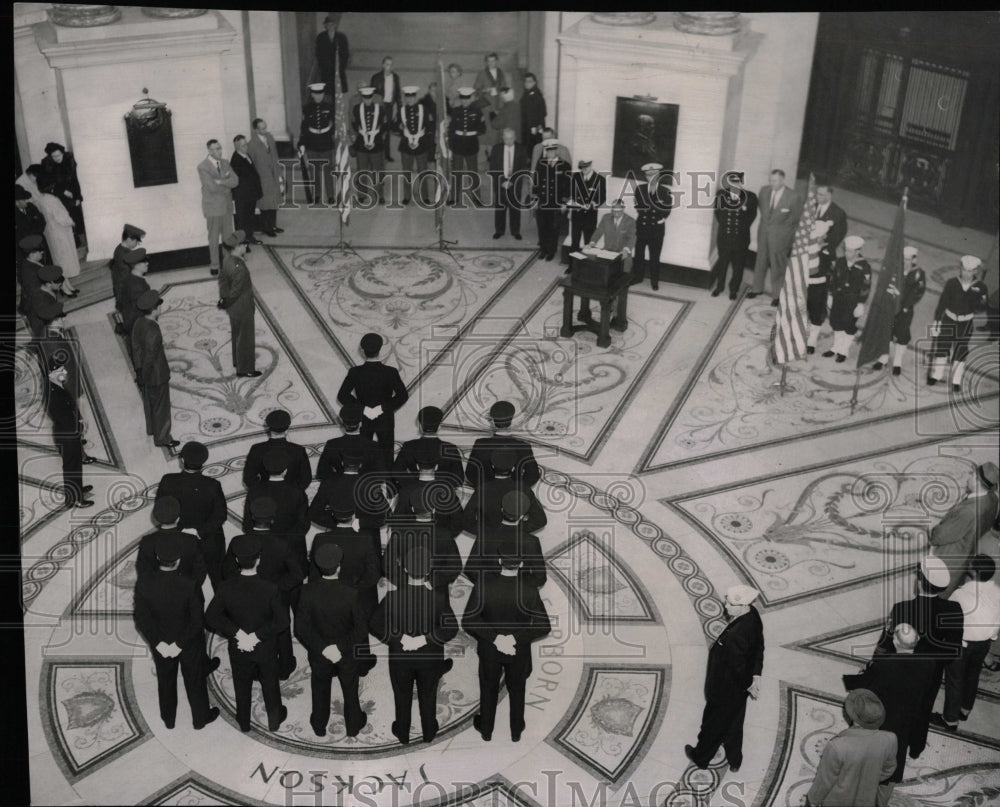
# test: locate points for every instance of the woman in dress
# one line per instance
(59, 234)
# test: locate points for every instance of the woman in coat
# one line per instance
(59, 234)
(59, 165)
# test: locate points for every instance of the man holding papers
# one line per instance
(618, 233)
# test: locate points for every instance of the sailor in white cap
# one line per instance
(463, 132)
(962, 297)
(850, 283)
(653, 203)
(914, 286)
(416, 126)
(551, 189)
(589, 192)
(316, 139)
(371, 125)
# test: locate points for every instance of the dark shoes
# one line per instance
(277, 230)
(215, 272)
(732, 295)
(395, 733)
(897, 370)
(752, 294)
(716, 292)
(877, 365)
(282, 715)
(89, 460)
(253, 240)
(735, 768)
(774, 303)
(810, 349)
(477, 724)
(841, 358)
(171, 444)
(270, 234)
(251, 374)
(320, 731)
(517, 236)
(585, 316)
(938, 720)
(689, 753)
(80, 504)
(213, 715)
(497, 235)
(357, 731)
(827, 354)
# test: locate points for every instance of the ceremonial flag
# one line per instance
(877, 332)
(342, 138)
(443, 153)
(788, 336)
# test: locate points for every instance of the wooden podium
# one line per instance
(603, 281)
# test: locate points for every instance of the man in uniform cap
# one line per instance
(735, 211)
(64, 413)
(131, 238)
(236, 299)
(780, 208)
(483, 511)
(533, 114)
(352, 488)
(505, 615)
(169, 614)
(333, 628)
(449, 458)
(217, 182)
(588, 193)
(508, 167)
(331, 459)
(167, 516)
(332, 52)
(299, 471)
(850, 283)
(248, 611)
(961, 299)
(551, 189)
(479, 468)
(379, 390)
(914, 286)
(493, 541)
(54, 342)
(316, 141)
(735, 662)
(134, 285)
(425, 517)
(416, 126)
(465, 126)
(653, 204)
(413, 489)
(292, 516)
(31, 254)
(415, 621)
(152, 370)
(371, 121)
(28, 223)
(44, 298)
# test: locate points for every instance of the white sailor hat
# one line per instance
(550, 143)
(411, 89)
(366, 91)
(854, 242)
(652, 167)
(935, 571)
(971, 262)
(465, 92)
(318, 87)
(910, 252)
(584, 163)
(741, 595)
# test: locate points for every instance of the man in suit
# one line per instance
(415, 621)
(64, 413)
(263, 152)
(168, 614)
(152, 370)
(419, 522)
(217, 182)
(449, 459)
(487, 85)
(29, 224)
(332, 52)
(332, 626)
(424, 494)
(248, 611)
(616, 233)
(236, 299)
(832, 223)
(508, 168)
(416, 140)
(465, 126)
(43, 300)
(492, 542)
(379, 390)
(735, 662)
(507, 116)
(780, 208)
(389, 88)
(248, 192)
(371, 121)
(533, 114)
(299, 472)
(56, 343)
(589, 191)
(505, 615)
(131, 239)
(850, 283)
(913, 287)
(351, 441)
(483, 510)
(32, 250)
(653, 203)
(316, 141)
(203, 505)
(479, 469)
(735, 211)
(167, 516)
(292, 516)
(551, 188)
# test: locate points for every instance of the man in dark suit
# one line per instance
(415, 621)
(167, 515)
(292, 516)
(479, 468)
(425, 490)
(735, 211)
(551, 188)
(131, 239)
(617, 232)
(332, 52)
(735, 662)
(483, 512)
(299, 471)
(134, 285)
(508, 168)
(780, 208)
(418, 526)
(371, 121)
(389, 88)
(380, 392)
(352, 485)
(351, 441)
(64, 413)
(29, 224)
(449, 459)
(32, 252)
(332, 626)
(589, 192)
(834, 220)
(416, 141)
(493, 542)
(248, 611)
(152, 370)
(246, 194)
(236, 299)
(505, 614)
(168, 614)
(653, 204)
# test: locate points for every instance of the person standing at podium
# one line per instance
(617, 233)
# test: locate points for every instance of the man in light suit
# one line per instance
(217, 182)
(779, 208)
(618, 233)
(264, 153)
(509, 170)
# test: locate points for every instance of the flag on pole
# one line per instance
(342, 138)
(788, 336)
(443, 153)
(877, 332)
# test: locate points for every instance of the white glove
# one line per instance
(167, 650)
(829, 301)
(859, 310)
(936, 329)
(505, 644)
(302, 151)
(413, 642)
(372, 412)
(355, 524)
(332, 654)
(891, 289)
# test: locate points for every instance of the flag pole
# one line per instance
(781, 384)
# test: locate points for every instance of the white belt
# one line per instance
(959, 317)
(466, 134)
(321, 131)
(815, 280)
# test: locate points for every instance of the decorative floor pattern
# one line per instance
(194, 790)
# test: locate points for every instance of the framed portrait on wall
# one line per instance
(645, 132)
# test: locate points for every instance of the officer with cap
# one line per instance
(653, 204)
(510, 532)
(482, 512)
(351, 441)
(167, 516)
(134, 285)
(299, 471)
(464, 127)
(316, 139)
(416, 124)
(589, 192)
(332, 52)
(479, 468)
(28, 222)
(236, 299)
(50, 278)
(32, 254)
(62, 409)
(850, 283)
(55, 343)
(333, 627)
(131, 239)
(735, 211)
(505, 615)
(360, 491)
(203, 505)
(247, 610)
(551, 190)
(418, 522)
(371, 121)
(425, 490)
(961, 299)
(914, 285)
(152, 370)
(416, 621)
(449, 466)
(169, 614)
(278, 565)
(379, 390)
(292, 516)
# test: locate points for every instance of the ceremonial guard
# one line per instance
(362, 490)
(167, 515)
(420, 527)
(482, 512)
(292, 516)
(830, 229)
(64, 413)
(505, 615)
(33, 250)
(131, 238)
(914, 286)
(371, 123)
(379, 390)
(54, 345)
(316, 140)
(653, 204)
(551, 191)
(962, 297)
(203, 505)
(168, 613)
(416, 138)
(299, 471)
(491, 544)
(849, 286)
(464, 128)
(479, 467)
(236, 299)
(45, 300)
(735, 211)
(351, 441)
(247, 611)
(332, 626)
(589, 193)
(416, 621)
(425, 488)
(152, 370)
(449, 459)
(134, 286)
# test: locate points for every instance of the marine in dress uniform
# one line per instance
(32, 250)
(169, 615)
(465, 126)
(134, 285)
(961, 298)
(416, 125)
(299, 471)
(371, 121)
(505, 614)
(167, 515)
(479, 467)
(914, 286)
(351, 441)
(64, 413)
(653, 204)
(332, 626)
(589, 191)
(483, 512)
(551, 187)
(416, 621)
(316, 141)
(491, 544)
(449, 463)
(236, 299)
(735, 663)
(508, 166)
(735, 211)
(379, 390)
(849, 286)
(832, 220)
(248, 192)
(152, 370)
(131, 238)
(416, 528)
(248, 611)
(533, 112)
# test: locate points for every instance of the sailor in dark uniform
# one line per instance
(914, 286)
(420, 526)
(152, 370)
(464, 128)
(653, 203)
(735, 211)
(131, 239)
(449, 463)
(850, 283)
(64, 413)
(292, 517)
(32, 250)
(482, 511)
(416, 123)
(236, 299)
(371, 122)
(589, 192)
(961, 298)
(491, 544)
(299, 471)
(316, 140)
(45, 298)
(551, 189)
(416, 621)
(479, 467)
(352, 487)
(380, 391)
(352, 441)
(425, 485)
(133, 286)
(332, 626)
(167, 515)
(248, 611)
(831, 224)
(169, 614)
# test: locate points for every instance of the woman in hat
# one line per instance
(59, 166)
(59, 234)
(961, 298)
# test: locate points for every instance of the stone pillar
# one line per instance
(708, 23)
(72, 15)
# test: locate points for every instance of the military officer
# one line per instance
(371, 126)
(292, 516)
(299, 471)
(44, 298)
(203, 505)
(331, 460)
(416, 136)
(589, 193)
(490, 544)
(364, 491)
(236, 299)
(167, 515)
(551, 189)
(831, 224)
(426, 489)
(466, 125)
(33, 252)
(735, 211)
(131, 239)
(332, 626)
(419, 527)
(152, 370)
(449, 458)
(482, 511)
(505, 614)
(134, 285)
(416, 621)
(653, 203)
(961, 298)
(316, 140)
(914, 286)
(64, 413)
(479, 468)
(380, 391)
(248, 611)
(849, 287)
(169, 615)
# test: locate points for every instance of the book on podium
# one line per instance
(597, 268)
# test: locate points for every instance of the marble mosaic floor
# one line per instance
(672, 469)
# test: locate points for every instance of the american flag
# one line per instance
(342, 137)
(788, 336)
(443, 155)
(877, 333)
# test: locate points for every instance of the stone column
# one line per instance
(708, 23)
(80, 16)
